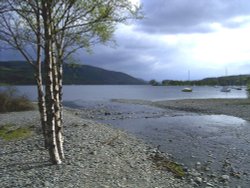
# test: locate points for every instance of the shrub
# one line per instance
(11, 101)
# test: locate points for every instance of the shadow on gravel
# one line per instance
(24, 166)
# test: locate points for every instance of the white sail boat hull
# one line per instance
(225, 89)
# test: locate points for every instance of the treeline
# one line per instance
(237, 80)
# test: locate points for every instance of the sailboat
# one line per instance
(187, 89)
(225, 89)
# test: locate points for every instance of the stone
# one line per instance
(198, 180)
(206, 168)
(198, 163)
(107, 113)
(210, 184)
(47, 184)
(93, 152)
(225, 177)
(195, 174)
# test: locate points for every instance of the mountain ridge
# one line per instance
(21, 73)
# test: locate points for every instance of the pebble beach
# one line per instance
(97, 156)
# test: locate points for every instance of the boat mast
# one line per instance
(188, 75)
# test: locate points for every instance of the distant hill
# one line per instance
(21, 73)
(224, 80)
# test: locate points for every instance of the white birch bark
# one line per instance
(49, 97)
(39, 79)
(58, 106)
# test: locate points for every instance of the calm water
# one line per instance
(143, 92)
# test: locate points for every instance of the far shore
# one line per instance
(232, 107)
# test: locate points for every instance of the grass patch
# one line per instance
(9, 133)
(163, 163)
(11, 101)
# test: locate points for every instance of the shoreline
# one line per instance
(231, 107)
(96, 156)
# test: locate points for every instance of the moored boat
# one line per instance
(187, 89)
(225, 89)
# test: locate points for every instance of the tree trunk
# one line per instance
(58, 103)
(51, 112)
(42, 109)
(49, 97)
(60, 133)
(39, 81)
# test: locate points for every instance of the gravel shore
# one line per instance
(96, 156)
(232, 107)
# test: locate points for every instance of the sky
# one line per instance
(205, 37)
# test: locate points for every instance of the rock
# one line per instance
(198, 180)
(206, 168)
(93, 152)
(47, 184)
(225, 177)
(210, 184)
(212, 175)
(198, 163)
(235, 174)
(195, 174)
(185, 168)
(227, 161)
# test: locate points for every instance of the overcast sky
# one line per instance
(203, 36)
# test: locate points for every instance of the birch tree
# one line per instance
(61, 27)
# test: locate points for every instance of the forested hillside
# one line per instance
(21, 73)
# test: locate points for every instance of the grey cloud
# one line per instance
(135, 57)
(135, 49)
(186, 16)
(236, 24)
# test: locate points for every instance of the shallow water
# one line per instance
(191, 137)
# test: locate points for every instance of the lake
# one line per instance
(143, 92)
